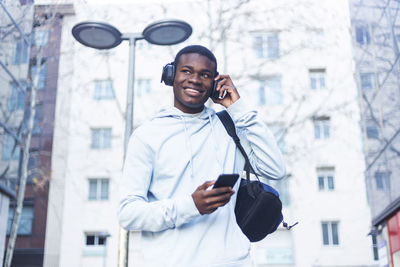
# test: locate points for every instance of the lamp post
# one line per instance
(101, 35)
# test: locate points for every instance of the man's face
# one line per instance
(194, 77)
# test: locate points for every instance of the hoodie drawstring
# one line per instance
(215, 142)
(189, 148)
(189, 145)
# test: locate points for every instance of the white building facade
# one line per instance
(291, 60)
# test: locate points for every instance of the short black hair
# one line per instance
(197, 49)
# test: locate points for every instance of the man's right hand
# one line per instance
(207, 201)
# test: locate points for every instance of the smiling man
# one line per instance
(173, 160)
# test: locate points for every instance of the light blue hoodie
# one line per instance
(167, 159)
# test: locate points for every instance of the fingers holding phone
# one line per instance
(207, 201)
(227, 91)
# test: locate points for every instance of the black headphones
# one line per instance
(168, 76)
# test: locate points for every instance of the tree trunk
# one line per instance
(24, 167)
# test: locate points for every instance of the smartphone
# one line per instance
(226, 180)
(215, 93)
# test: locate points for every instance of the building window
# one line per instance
(317, 79)
(101, 138)
(322, 128)
(270, 92)
(372, 131)
(98, 189)
(330, 233)
(21, 52)
(16, 100)
(362, 34)
(143, 86)
(41, 82)
(40, 38)
(326, 178)
(382, 180)
(367, 81)
(95, 239)
(26, 221)
(375, 246)
(266, 45)
(11, 149)
(103, 89)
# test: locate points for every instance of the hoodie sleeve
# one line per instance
(135, 210)
(258, 141)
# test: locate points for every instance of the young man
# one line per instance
(173, 160)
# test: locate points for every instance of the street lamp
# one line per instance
(101, 35)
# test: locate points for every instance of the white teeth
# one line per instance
(192, 90)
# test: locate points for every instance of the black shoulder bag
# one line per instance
(258, 208)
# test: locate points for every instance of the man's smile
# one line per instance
(192, 91)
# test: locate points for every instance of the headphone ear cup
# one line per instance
(168, 74)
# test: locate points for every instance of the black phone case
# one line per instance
(214, 92)
(226, 180)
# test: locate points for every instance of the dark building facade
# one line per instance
(45, 38)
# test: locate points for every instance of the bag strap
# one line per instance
(231, 129)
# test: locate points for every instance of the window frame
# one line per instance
(16, 100)
(8, 144)
(372, 130)
(270, 91)
(323, 124)
(382, 180)
(105, 140)
(143, 86)
(99, 191)
(103, 89)
(331, 238)
(24, 218)
(317, 79)
(266, 45)
(21, 52)
(369, 84)
(362, 34)
(96, 240)
(325, 175)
